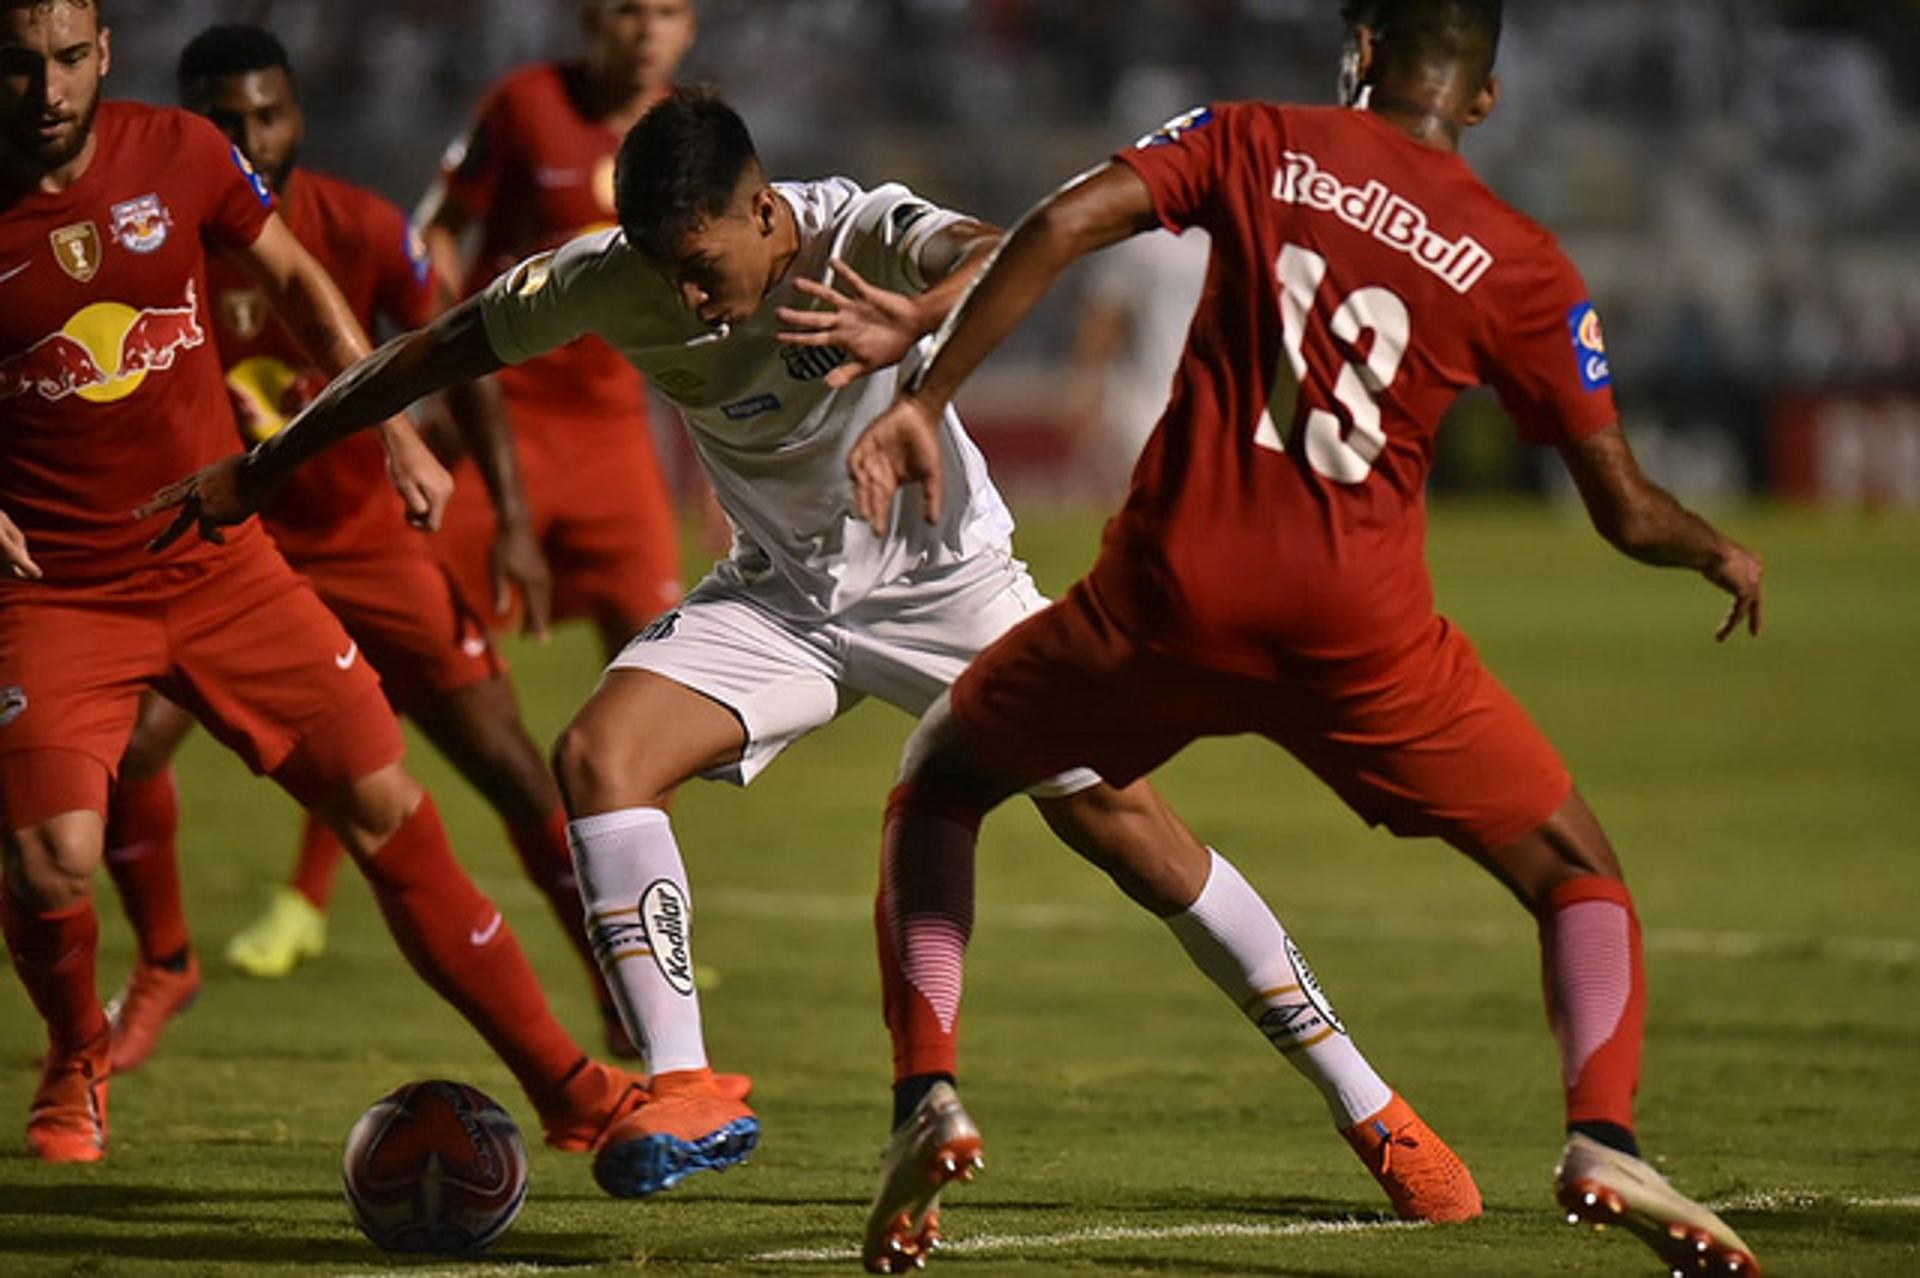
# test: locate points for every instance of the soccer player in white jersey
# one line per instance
(719, 286)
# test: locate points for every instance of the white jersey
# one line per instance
(771, 435)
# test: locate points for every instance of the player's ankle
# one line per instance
(910, 1091)
(1612, 1135)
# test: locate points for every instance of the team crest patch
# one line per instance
(243, 312)
(1589, 346)
(77, 249)
(13, 701)
(255, 183)
(1176, 128)
(141, 225)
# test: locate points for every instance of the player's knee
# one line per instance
(367, 811)
(50, 866)
(591, 765)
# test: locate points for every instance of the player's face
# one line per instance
(52, 57)
(722, 268)
(259, 112)
(640, 43)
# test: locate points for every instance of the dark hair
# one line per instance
(679, 167)
(1413, 32)
(218, 52)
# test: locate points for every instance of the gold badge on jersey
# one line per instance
(77, 249)
(243, 312)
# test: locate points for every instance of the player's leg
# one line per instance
(635, 741)
(142, 857)
(1234, 937)
(259, 660)
(478, 728)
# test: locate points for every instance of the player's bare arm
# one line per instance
(13, 551)
(452, 349)
(876, 327)
(519, 564)
(321, 321)
(1645, 521)
(1092, 211)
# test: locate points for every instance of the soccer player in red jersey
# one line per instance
(535, 170)
(110, 382)
(348, 537)
(1266, 573)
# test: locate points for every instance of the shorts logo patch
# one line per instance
(664, 918)
(1176, 128)
(1589, 346)
(13, 701)
(742, 409)
(661, 627)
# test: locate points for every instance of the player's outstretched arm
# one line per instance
(13, 551)
(875, 326)
(1094, 210)
(1645, 521)
(454, 348)
(519, 564)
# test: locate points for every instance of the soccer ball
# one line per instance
(435, 1167)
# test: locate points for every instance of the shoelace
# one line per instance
(1388, 1139)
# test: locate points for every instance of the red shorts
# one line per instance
(410, 618)
(237, 639)
(602, 512)
(1432, 745)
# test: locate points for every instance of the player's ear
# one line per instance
(1356, 63)
(1482, 104)
(106, 50)
(763, 211)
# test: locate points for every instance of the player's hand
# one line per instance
(901, 446)
(13, 551)
(1738, 572)
(876, 327)
(519, 564)
(422, 482)
(208, 500)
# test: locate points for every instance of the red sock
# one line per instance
(922, 917)
(143, 825)
(548, 862)
(54, 954)
(459, 943)
(1596, 996)
(319, 860)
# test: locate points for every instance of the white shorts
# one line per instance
(905, 643)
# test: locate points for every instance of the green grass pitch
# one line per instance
(1763, 796)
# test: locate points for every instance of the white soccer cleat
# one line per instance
(937, 1145)
(1602, 1186)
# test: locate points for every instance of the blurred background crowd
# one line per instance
(1737, 178)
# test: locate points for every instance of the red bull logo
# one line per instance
(142, 224)
(104, 351)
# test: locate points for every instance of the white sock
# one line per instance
(1235, 939)
(640, 923)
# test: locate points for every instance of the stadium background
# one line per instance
(1737, 179)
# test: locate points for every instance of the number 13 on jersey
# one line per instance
(1344, 459)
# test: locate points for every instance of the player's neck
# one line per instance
(786, 230)
(1426, 105)
(21, 174)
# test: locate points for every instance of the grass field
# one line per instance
(1763, 796)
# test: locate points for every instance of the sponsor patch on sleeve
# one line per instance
(1589, 346)
(1176, 128)
(255, 183)
(417, 256)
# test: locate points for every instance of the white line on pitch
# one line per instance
(1813, 1199)
(505, 1269)
(1108, 1233)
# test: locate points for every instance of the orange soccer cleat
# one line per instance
(68, 1121)
(937, 1145)
(689, 1125)
(1423, 1178)
(1601, 1186)
(152, 997)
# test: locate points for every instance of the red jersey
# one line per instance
(109, 382)
(1359, 281)
(536, 171)
(340, 502)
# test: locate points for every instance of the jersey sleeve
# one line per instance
(894, 227)
(551, 298)
(1548, 359)
(474, 164)
(403, 290)
(238, 200)
(1181, 162)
